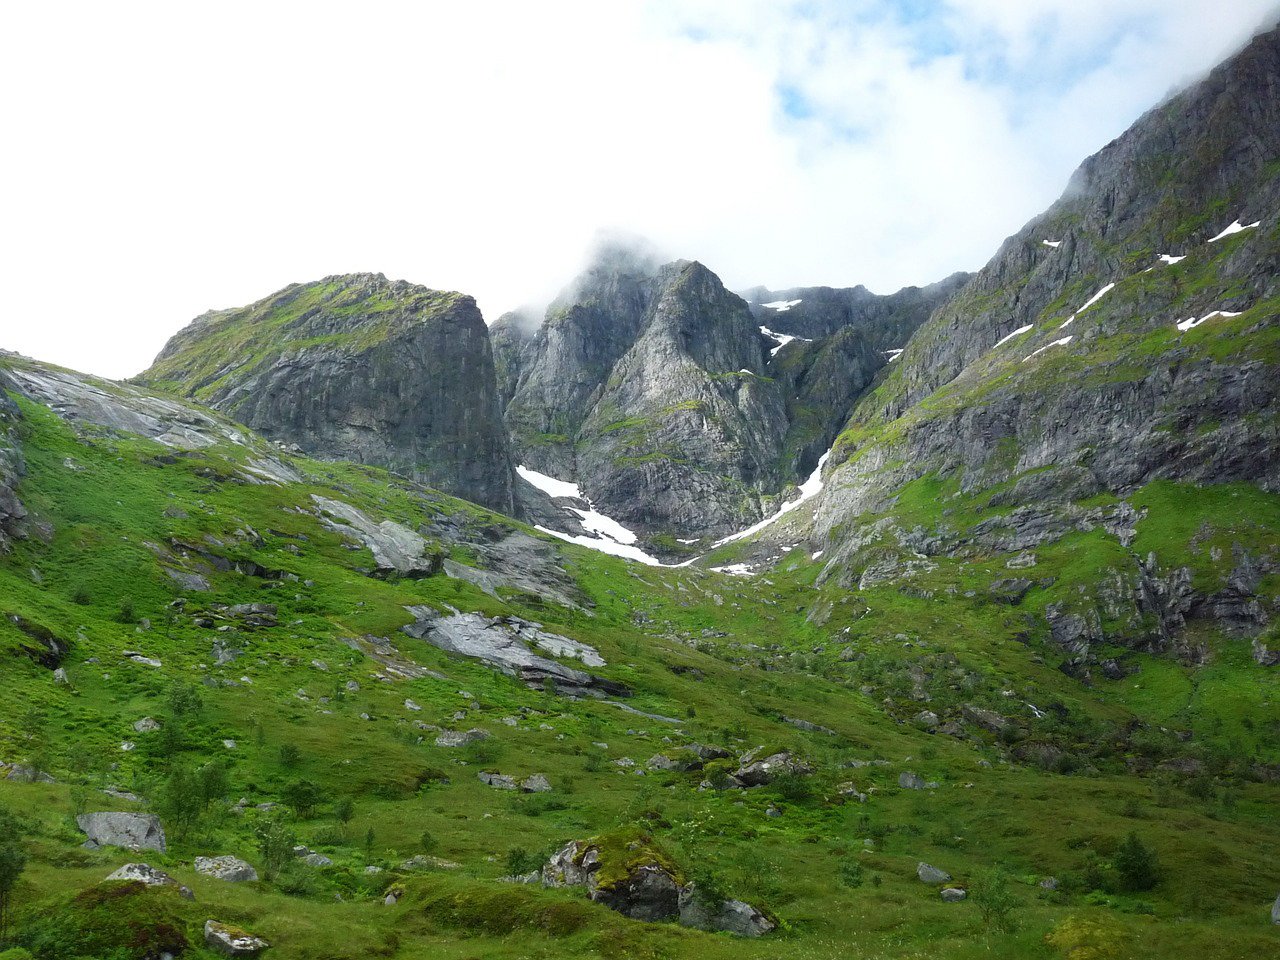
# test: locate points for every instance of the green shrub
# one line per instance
(275, 845)
(995, 901)
(849, 872)
(1136, 865)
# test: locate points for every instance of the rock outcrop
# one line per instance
(360, 368)
(631, 875)
(232, 941)
(507, 643)
(132, 831)
(12, 513)
(149, 875)
(228, 868)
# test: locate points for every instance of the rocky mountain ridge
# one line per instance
(359, 368)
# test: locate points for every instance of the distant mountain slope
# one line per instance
(673, 403)
(886, 321)
(1127, 338)
(360, 368)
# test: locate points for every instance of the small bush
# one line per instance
(1136, 865)
(994, 900)
(849, 872)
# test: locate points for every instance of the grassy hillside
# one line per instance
(709, 659)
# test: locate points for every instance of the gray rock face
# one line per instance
(12, 513)
(228, 868)
(1275, 911)
(506, 643)
(654, 389)
(930, 874)
(952, 894)
(133, 831)
(395, 548)
(232, 941)
(887, 322)
(145, 873)
(635, 387)
(359, 368)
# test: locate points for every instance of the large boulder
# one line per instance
(145, 873)
(756, 773)
(931, 874)
(1275, 911)
(231, 869)
(647, 891)
(630, 874)
(232, 941)
(133, 831)
(732, 916)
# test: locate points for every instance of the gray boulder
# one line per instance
(145, 873)
(230, 869)
(460, 738)
(759, 772)
(232, 941)
(930, 874)
(538, 783)
(133, 831)
(1275, 911)
(499, 781)
(952, 894)
(733, 916)
(908, 780)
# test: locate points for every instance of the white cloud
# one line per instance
(167, 158)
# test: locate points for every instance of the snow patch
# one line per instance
(694, 540)
(735, 570)
(781, 339)
(1234, 228)
(1088, 303)
(1171, 260)
(1052, 243)
(1057, 343)
(1191, 322)
(809, 489)
(893, 355)
(1017, 333)
(549, 485)
(816, 555)
(608, 546)
(782, 306)
(609, 535)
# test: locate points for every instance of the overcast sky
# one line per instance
(161, 159)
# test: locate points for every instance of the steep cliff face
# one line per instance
(12, 512)
(1125, 340)
(359, 368)
(687, 429)
(587, 330)
(887, 322)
